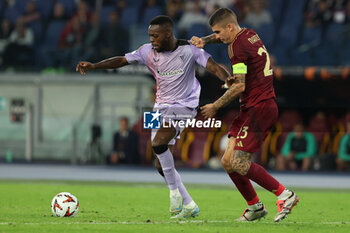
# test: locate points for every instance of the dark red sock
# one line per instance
(260, 176)
(245, 187)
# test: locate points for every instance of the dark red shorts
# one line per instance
(252, 125)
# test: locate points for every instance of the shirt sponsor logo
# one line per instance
(170, 73)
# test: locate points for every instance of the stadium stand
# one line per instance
(298, 37)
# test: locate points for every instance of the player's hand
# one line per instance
(198, 42)
(209, 111)
(84, 66)
(228, 82)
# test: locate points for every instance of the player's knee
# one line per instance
(159, 149)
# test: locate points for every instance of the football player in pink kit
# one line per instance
(258, 113)
(172, 63)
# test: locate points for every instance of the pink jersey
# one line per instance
(174, 72)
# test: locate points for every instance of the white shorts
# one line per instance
(174, 112)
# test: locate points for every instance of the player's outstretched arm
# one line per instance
(219, 71)
(110, 63)
(201, 42)
(232, 93)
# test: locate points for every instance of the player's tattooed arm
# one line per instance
(238, 86)
(201, 42)
(240, 162)
(211, 39)
(110, 63)
(219, 71)
(232, 92)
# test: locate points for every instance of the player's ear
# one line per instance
(168, 34)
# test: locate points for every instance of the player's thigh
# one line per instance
(163, 136)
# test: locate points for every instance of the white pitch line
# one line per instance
(169, 222)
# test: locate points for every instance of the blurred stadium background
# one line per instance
(50, 114)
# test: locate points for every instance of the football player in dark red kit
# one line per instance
(252, 81)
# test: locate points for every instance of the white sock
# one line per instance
(175, 192)
(166, 159)
(190, 205)
(284, 195)
(256, 206)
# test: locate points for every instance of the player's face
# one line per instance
(157, 37)
(222, 33)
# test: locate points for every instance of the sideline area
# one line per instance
(149, 174)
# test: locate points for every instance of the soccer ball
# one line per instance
(65, 205)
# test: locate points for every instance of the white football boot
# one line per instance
(188, 211)
(175, 202)
(257, 212)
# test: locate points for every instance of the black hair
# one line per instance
(162, 20)
(221, 14)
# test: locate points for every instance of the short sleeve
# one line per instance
(240, 53)
(200, 55)
(138, 56)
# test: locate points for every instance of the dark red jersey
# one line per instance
(248, 48)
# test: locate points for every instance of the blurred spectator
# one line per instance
(318, 13)
(242, 9)
(72, 35)
(174, 10)
(114, 37)
(83, 14)
(19, 50)
(31, 15)
(71, 42)
(297, 151)
(150, 10)
(125, 141)
(58, 13)
(339, 11)
(343, 159)
(52, 55)
(121, 5)
(5, 32)
(211, 5)
(92, 39)
(193, 15)
(257, 15)
(347, 13)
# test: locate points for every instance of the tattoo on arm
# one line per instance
(217, 70)
(211, 39)
(232, 93)
(240, 162)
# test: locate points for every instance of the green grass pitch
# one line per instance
(125, 207)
